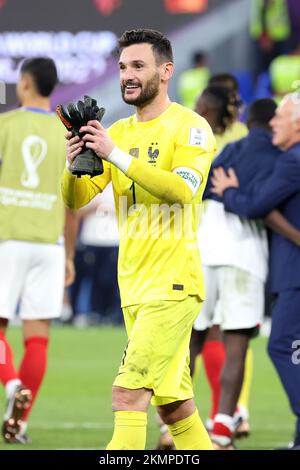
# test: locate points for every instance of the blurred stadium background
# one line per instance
(73, 409)
(82, 40)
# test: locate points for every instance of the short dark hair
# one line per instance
(260, 112)
(225, 79)
(161, 45)
(199, 56)
(223, 101)
(44, 73)
(230, 82)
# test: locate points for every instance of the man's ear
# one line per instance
(167, 71)
(27, 82)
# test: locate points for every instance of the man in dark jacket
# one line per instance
(280, 190)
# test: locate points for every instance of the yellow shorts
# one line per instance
(157, 354)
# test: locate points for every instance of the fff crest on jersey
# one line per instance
(153, 153)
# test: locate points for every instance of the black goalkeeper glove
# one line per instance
(87, 162)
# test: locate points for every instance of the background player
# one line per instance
(279, 190)
(33, 261)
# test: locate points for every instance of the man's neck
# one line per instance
(153, 109)
(290, 144)
(37, 102)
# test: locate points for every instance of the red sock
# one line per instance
(7, 369)
(213, 355)
(33, 366)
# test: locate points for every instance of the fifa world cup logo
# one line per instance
(34, 150)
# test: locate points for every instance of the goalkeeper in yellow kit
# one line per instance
(158, 161)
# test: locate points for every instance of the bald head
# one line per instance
(286, 122)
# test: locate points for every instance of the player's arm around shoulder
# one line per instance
(195, 147)
(77, 192)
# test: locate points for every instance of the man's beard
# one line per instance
(149, 91)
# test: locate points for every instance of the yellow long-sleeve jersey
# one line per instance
(158, 213)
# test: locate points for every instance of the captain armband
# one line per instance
(191, 177)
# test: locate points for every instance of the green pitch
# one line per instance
(73, 409)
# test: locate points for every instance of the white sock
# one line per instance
(11, 386)
(23, 427)
(209, 424)
(242, 412)
(226, 420)
(163, 429)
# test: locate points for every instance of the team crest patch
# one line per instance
(134, 152)
(197, 137)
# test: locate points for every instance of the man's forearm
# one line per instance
(77, 192)
(277, 222)
(162, 184)
(71, 230)
(242, 204)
